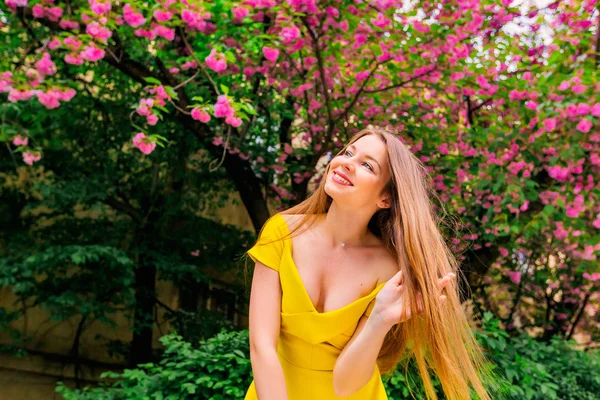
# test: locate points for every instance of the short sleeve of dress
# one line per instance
(269, 246)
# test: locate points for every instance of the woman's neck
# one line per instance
(346, 227)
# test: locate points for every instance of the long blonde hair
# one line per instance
(440, 339)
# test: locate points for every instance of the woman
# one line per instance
(337, 278)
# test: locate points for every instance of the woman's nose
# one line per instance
(348, 163)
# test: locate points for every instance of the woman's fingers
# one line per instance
(443, 282)
(398, 278)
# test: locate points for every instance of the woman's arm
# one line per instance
(264, 327)
(355, 364)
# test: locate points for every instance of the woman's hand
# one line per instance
(391, 307)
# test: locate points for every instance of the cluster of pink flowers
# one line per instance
(50, 99)
(29, 157)
(143, 143)
(45, 65)
(145, 108)
(98, 31)
(52, 13)
(20, 140)
(223, 108)
(270, 53)
(100, 7)
(216, 61)
(200, 114)
(196, 18)
(132, 16)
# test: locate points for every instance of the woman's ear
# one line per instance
(385, 202)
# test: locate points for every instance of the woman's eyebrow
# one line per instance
(366, 155)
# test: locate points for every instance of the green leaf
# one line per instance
(152, 80)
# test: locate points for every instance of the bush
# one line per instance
(220, 369)
(538, 370)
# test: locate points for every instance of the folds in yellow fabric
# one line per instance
(269, 246)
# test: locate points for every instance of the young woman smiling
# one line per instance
(355, 278)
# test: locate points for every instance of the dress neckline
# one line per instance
(303, 287)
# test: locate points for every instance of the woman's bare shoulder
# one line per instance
(387, 264)
(293, 220)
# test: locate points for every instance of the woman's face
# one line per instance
(358, 175)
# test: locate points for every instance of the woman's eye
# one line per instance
(369, 166)
(347, 152)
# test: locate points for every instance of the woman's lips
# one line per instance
(341, 179)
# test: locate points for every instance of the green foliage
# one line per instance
(72, 281)
(220, 368)
(538, 370)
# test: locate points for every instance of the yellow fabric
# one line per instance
(309, 341)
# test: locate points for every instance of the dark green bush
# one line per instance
(219, 368)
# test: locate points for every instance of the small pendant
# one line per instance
(342, 244)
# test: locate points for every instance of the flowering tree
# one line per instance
(499, 98)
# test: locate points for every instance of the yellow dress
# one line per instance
(310, 341)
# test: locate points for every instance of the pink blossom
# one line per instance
(92, 53)
(233, 121)
(30, 158)
(152, 119)
(165, 32)
(270, 53)
(20, 140)
(73, 58)
(145, 33)
(515, 277)
(216, 61)
(17, 3)
(582, 109)
(361, 76)
(145, 107)
(381, 21)
(222, 108)
(289, 34)
(596, 110)
(578, 88)
(99, 7)
(200, 114)
(53, 13)
(188, 65)
(564, 85)
(66, 24)
(72, 42)
(162, 15)
(54, 44)
(45, 65)
(217, 141)
(133, 18)
(37, 11)
(143, 143)
(584, 125)
(98, 31)
(239, 13)
(592, 277)
(49, 99)
(532, 105)
(15, 95)
(549, 124)
(66, 94)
